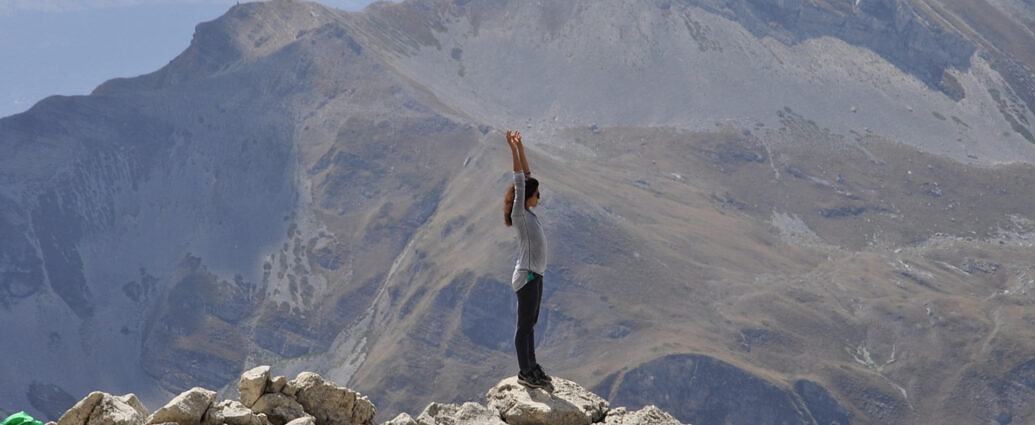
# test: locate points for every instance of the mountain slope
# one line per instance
(686, 64)
(790, 198)
(138, 210)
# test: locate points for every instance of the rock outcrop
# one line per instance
(567, 404)
(330, 404)
(100, 408)
(437, 413)
(186, 408)
(253, 384)
(311, 400)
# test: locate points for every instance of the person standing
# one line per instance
(527, 280)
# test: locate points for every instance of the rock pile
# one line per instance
(510, 403)
(310, 400)
(306, 400)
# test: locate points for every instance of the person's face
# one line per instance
(533, 201)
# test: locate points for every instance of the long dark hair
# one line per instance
(531, 186)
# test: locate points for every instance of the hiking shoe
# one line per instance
(541, 374)
(531, 380)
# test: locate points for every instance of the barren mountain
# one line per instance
(809, 211)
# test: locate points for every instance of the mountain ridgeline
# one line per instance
(789, 212)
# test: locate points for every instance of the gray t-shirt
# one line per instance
(531, 239)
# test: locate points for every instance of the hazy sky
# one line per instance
(14, 6)
(69, 47)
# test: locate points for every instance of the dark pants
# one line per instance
(528, 297)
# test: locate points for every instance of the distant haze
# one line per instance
(69, 47)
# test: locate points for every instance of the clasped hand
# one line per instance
(514, 139)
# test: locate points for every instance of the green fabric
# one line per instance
(21, 418)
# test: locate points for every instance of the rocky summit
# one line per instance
(311, 400)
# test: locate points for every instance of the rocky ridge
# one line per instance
(309, 399)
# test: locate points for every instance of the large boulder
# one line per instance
(185, 409)
(279, 408)
(330, 404)
(252, 384)
(567, 404)
(101, 408)
(452, 414)
(650, 415)
(232, 412)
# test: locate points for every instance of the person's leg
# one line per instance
(538, 288)
(524, 337)
(537, 369)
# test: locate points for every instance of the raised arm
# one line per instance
(521, 153)
(514, 152)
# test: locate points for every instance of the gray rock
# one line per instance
(253, 384)
(100, 408)
(232, 412)
(452, 414)
(330, 404)
(279, 408)
(567, 404)
(649, 415)
(276, 385)
(185, 409)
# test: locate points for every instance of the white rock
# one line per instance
(279, 408)
(452, 414)
(100, 408)
(123, 410)
(253, 384)
(567, 404)
(308, 420)
(476, 414)
(401, 419)
(330, 404)
(185, 409)
(232, 412)
(649, 415)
